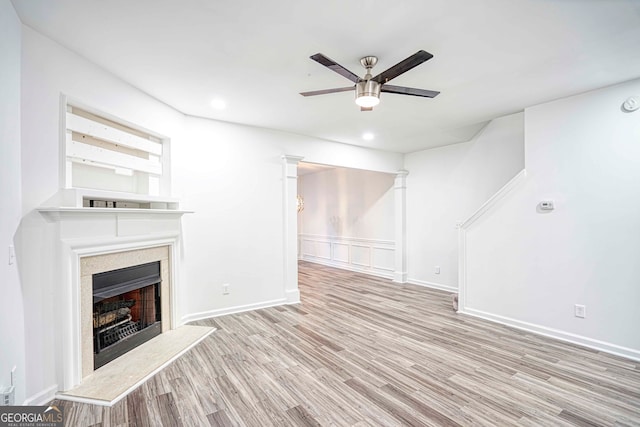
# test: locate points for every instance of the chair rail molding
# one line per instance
(362, 255)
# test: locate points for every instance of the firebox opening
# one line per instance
(126, 310)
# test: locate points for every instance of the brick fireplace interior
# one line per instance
(126, 310)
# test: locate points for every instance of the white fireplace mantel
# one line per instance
(57, 212)
(83, 232)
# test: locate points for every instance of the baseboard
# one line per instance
(231, 310)
(341, 266)
(400, 276)
(432, 285)
(43, 397)
(590, 343)
(293, 297)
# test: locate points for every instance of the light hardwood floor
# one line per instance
(364, 351)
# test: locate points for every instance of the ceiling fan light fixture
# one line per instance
(367, 93)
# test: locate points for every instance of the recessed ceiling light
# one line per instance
(218, 104)
(368, 136)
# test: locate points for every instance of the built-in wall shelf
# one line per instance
(62, 210)
(81, 198)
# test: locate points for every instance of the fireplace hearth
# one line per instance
(126, 310)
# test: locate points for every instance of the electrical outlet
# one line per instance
(225, 289)
(8, 396)
(580, 311)
(436, 269)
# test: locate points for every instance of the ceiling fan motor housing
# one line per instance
(368, 88)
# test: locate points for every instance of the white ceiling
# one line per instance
(491, 57)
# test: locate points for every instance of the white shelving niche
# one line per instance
(110, 164)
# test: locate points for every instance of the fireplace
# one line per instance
(127, 310)
(110, 284)
(91, 241)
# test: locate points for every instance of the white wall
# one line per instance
(12, 313)
(528, 268)
(231, 175)
(348, 203)
(49, 70)
(446, 185)
(348, 219)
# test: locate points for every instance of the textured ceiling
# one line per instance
(491, 58)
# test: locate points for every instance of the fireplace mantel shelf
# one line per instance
(55, 211)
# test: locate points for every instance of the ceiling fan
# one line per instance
(368, 88)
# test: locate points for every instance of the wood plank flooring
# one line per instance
(363, 351)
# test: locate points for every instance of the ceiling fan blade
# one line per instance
(324, 91)
(332, 65)
(366, 108)
(409, 91)
(403, 66)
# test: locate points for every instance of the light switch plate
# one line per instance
(12, 255)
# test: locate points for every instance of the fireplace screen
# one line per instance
(126, 310)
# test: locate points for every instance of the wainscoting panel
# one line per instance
(383, 258)
(323, 250)
(308, 248)
(361, 255)
(341, 252)
(369, 256)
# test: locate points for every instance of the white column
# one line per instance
(290, 229)
(400, 196)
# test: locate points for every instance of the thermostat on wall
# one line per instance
(546, 205)
(631, 104)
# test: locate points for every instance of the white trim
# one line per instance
(379, 267)
(74, 197)
(493, 200)
(464, 225)
(514, 323)
(73, 251)
(400, 227)
(290, 243)
(338, 239)
(311, 243)
(65, 175)
(360, 264)
(43, 397)
(293, 296)
(400, 277)
(433, 285)
(555, 334)
(55, 212)
(232, 310)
